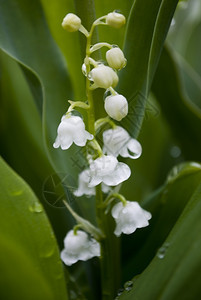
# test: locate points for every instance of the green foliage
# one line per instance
(30, 263)
(174, 271)
(40, 70)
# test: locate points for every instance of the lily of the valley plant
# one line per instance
(104, 172)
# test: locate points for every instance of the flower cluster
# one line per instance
(104, 169)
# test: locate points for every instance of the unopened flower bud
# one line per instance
(115, 19)
(104, 77)
(115, 58)
(116, 107)
(71, 22)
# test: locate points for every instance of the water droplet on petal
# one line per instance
(163, 250)
(36, 207)
(128, 286)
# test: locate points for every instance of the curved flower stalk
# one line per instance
(104, 172)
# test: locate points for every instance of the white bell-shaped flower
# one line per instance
(71, 129)
(104, 77)
(108, 170)
(71, 22)
(116, 107)
(115, 58)
(83, 185)
(79, 247)
(115, 19)
(117, 141)
(129, 217)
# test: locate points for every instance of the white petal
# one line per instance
(95, 180)
(83, 185)
(67, 259)
(71, 129)
(114, 140)
(129, 217)
(88, 135)
(66, 143)
(79, 247)
(56, 143)
(105, 188)
(135, 149)
(116, 209)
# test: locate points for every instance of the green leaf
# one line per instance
(147, 28)
(21, 127)
(30, 263)
(22, 142)
(34, 48)
(180, 110)
(68, 42)
(174, 272)
(166, 205)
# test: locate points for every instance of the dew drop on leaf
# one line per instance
(162, 251)
(128, 286)
(36, 207)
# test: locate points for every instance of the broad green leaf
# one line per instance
(147, 28)
(36, 51)
(22, 143)
(192, 54)
(178, 108)
(21, 127)
(174, 273)
(68, 42)
(166, 205)
(30, 263)
(186, 19)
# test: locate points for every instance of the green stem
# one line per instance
(101, 122)
(109, 276)
(109, 260)
(99, 46)
(112, 197)
(74, 104)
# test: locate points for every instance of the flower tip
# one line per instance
(116, 107)
(115, 58)
(115, 19)
(104, 77)
(71, 22)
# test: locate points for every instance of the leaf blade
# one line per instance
(34, 246)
